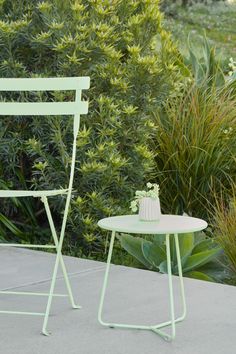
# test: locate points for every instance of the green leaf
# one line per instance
(153, 253)
(133, 245)
(204, 245)
(216, 271)
(199, 237)
(10, 226)
(201, 258)
(206, 53)
(186, 243)
(197, 67)
(199, 275)
(163, 267)
(219, 79)
(160, 240)
(173, 249)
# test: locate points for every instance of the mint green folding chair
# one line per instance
(75, 108)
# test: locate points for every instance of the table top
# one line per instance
(168, 224)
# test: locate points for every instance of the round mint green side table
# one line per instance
(170, 225)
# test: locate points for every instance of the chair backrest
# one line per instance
(75, 108)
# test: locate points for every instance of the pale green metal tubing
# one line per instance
(44, 108)
(143, 327)
(44, 329)
(164, 335)
(59, 246)
(140, 327)
(180, 278)
(153, 328)
(55, 238)
(167, 323)
(105, 280)
(172, 311)
(25, 245)
(30, 293)
(181, 318)
(23, 313)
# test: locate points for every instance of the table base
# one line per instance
(154, 328)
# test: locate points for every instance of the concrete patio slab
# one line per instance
(133, 296)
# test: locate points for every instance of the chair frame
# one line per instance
(75, 108)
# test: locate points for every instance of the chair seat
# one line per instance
(18, 193)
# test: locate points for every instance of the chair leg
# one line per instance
(67, 282)
(62, 263)
(50, 296)
(59, 260)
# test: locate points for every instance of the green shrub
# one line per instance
(113, 42)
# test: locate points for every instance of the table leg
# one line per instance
(172, 310)
(109, 324)
(106, 279)
(181, 318)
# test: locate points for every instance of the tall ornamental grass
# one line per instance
(224, 222)
(195, 148)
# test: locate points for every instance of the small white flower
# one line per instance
(153, 192)
(133, 206)
(232, 65)
(140, 193)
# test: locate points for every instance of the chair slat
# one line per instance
(19, 193)
(45, 84)
(43, 108)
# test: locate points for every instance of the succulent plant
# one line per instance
(199, 255)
